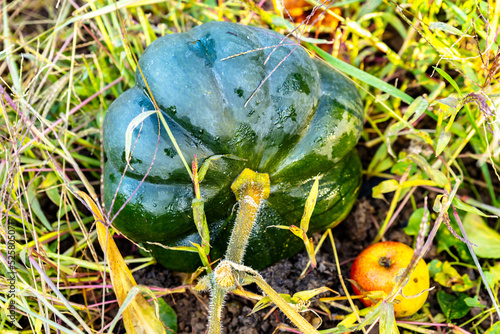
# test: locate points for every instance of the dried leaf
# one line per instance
(139, 317)
(130, 130)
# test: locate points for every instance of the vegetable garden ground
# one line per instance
(428, 73)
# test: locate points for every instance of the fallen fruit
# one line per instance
(375, 269)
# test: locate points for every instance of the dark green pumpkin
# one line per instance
(301, 123)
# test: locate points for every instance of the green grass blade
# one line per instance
(361, 75)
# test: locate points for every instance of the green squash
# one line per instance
(303, 122)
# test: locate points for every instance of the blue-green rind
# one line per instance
(302, 122)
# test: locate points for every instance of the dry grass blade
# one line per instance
(139, 317)
(299, 321)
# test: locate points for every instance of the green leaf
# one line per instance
(308, 294)
(399, 168)
(450, 80)
(473, 302)
(436, 175)
(447, 241)
(394, 129)
(53, 194)
(460, 15)
(416, 109)
(262, 304)
(200, 220)
(413, 227)
(495, 329)
(50, 180)
(449, 101)
(267, 301)
(435, 266)
(486, 238)
(453, 306)
(192, 249)
(380, 161)
(168, 316)
(204, 167)
(447, 28)
(346, 2)
(368, 7)
(371, 316)
(437, 203)
(468, 208)
(442, 141)
(361, 75)
(493, 275)
(34, 205)
(387, 320)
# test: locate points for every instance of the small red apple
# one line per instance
(376, 267)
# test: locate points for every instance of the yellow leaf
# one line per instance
(309, 207)
(308, 294)
(247, 294)
(297, 231)
(262, 304)
(310, 250)
(139, 317)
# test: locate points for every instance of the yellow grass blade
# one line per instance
(139, 317)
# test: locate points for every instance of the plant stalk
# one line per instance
(250, 189)
(216, 304)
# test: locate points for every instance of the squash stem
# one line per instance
(216, 304)
(250, 189)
